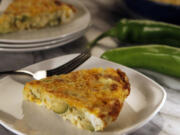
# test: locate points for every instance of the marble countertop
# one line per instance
(104, 15)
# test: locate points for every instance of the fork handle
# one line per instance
(7, 72)
(20, 72)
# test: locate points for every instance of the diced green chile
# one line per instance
(24, 18)
(87, 125)
(59, 108)
(160, 58)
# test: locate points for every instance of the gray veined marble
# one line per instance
(104, 14)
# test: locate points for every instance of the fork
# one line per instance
(63, 69)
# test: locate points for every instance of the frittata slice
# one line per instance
(91, 99)
(33, 14)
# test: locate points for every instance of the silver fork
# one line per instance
(65, 68)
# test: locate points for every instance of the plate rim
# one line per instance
(37, 44)
(41, 47)
(122, 131)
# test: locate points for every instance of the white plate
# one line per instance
(24, 118)
(37, 44)
(79, 23)
(51, 45)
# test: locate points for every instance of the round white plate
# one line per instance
(17, 45)
(25, 118)
(80, 22)
(38, 44)
(51, 45)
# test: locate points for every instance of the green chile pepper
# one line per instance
(159, 58)
(143, 31)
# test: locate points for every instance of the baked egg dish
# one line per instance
(35, 14)
(172, 2)
(90, 98)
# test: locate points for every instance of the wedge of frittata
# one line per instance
(91, 99)
(33, 14)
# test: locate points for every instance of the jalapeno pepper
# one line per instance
(159, 58)
(143, 31)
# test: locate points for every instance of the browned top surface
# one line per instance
(101, 91)
(35, 7)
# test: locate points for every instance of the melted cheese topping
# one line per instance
(36, 7)
(97, 93)
(28, 14)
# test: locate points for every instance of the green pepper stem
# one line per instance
(94, 42)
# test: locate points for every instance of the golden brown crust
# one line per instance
(124, 79)
(35, 7)
(34, 14)
(100, 91)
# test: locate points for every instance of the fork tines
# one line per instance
(71, 65)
